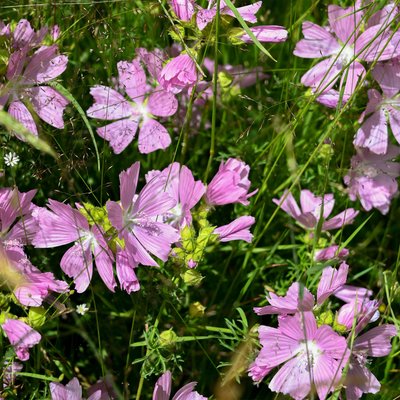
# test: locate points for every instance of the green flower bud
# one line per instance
(192, 277)
(196, 309)
(167, 338)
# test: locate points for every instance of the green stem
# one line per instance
(215, 93)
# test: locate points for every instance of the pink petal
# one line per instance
(104, 259)
(49, 105)
(162, 388)
(313, 204)
(120, 134)
(137, 251)
(248, 13)
(288, 204)
(71, 391)
(388, 77)
(109, 104)
(373, 133)
(45, 65)
(77, 263)
(344, 218)
(19, 111)
(375, 44)
(376, 342)
(21, 336)
(187, 393)
(331, 280)
(239, 229)
(162, 103)
(125, 266)
(16, 63)
(128, 180)
(317, 42)
(360, 380)
(302, 326)
(266, 33)
(323, 75)
(354, 74)
(204, 16)
(190, 191)
(115, 214)
(345, 22)
(327, 373)
(293, 379)
(153, 136)
(133, 78)
(394, 119)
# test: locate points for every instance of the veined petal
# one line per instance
(153, 136)
(162, 388)
(18, 110)
(49, 105)
(345, 22)
(331, 280)
(317, 42)
(376, 342)
(128, 180)
(109, 104)
(162, 103)
(120, 133)
(132, 77)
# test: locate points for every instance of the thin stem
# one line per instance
(215, 93)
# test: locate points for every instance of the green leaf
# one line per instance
(68, 95)
(13, 125)
(247, 29)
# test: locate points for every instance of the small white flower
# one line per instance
(11, 159)
(82, 309)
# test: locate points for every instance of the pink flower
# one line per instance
(343, 46)
(27, 75)
(30, 286)
(178, 74)
(71, 391)
(63, 225)
(313, 356)
(21, 336)
(135, 217)
(381, 110)
(205, 16)
(162, 390)
(297, 299)
(266, 33)
(372, 178)
(239, 229)
(24, 36)
(139, 112)
(374, 343)
(230, 184)
(330, 253)
(182, 187)
(183, 9)
(331, 280)
(125, 266)
(313, 208)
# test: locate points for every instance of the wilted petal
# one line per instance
(239, 229)
(125, 266)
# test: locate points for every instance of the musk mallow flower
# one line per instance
(135, 217)
(239, 229)
(183, 188)
(374, 343)
(30, 286)
(162, 390)
(178, 74)
(266, 33)
(21, 336)
(61, 225)
(382, 110)
(27, 76)
(372, 178)
(137, 112)
(230, 184)
(313, 356)
(205, 16)
(72, 391)
(183, 9)
(330, 253)
(344, 46)
(313, 208)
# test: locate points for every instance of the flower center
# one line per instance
(309, 351)
(346, 55)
